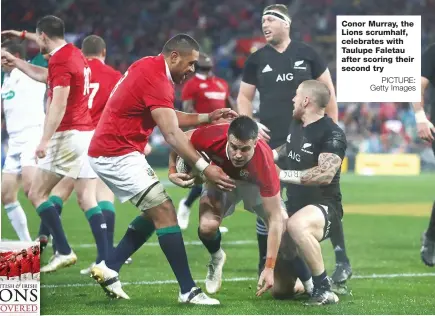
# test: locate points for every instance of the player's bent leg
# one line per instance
(261, 230)
(58, 195)
(211, 212)
(86, 197)
(105, 199)
(9, 190)
(308, 227)
(27, 175)
(43, 182)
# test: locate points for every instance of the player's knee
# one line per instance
(296, 228)
(164, 215)
(281, 292)
(208, 227)
(8, 197)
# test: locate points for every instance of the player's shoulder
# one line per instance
(262, 148)
(260, 53)
(301, 49)
(150, 67)
(332, 130)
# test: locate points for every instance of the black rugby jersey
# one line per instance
(428, 71)
(303, 147)
(277, 76)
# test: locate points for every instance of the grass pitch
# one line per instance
(384, 219)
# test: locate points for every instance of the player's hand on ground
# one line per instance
(7, 58)
(41, 150)
(215, 175)
(265, 282)
(426, 131)
(11, 33)
(262, 131)
(226, 114)
(182, 180)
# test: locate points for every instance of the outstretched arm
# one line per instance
(322, 174)
(35, 72)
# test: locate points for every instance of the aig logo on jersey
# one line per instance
(284, 77)
(294, 156)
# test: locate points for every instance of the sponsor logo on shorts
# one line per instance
(150, 172)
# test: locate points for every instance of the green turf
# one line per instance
(376, 245)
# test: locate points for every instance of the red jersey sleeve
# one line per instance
(265, 171)
(197, 139)
(61, 75)
(189, 91)
(156, 93)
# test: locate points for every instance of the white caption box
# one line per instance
(378, 58)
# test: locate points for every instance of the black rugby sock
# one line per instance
(337, 240)
(430, 233)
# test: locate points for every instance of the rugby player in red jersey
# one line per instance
(237, 150)
(142, 99)
(203, 93)
(67, 132)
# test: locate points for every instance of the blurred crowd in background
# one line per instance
(230, 30)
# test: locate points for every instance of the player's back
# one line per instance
(103, 79)
(208, 93)
(126, 122)
(68, 67)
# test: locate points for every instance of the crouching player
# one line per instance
(237, 150)
(314, 151)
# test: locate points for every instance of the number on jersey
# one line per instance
(94, 86)
(87, 75)
(118, 83)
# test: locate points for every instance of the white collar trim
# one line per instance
(54, 51)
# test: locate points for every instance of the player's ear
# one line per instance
(175, 56)
(104, 53)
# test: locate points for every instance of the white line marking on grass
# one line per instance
(371, 276)
(187, 243)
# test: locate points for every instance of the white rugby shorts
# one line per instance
(67, 154)
(247, 192)
(126, 175)
(21, 150)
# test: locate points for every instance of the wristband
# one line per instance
(201, 164)
(290, 176)
(270, 263)
(420, 117)
(23, 35)
(275, 155)
(203, 118)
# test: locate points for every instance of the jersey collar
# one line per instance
(201, 76)
(54, 51)
(168, 72)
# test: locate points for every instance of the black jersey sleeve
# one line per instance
(318, 64)
(250, 70)
(335, 142)
(428, 64)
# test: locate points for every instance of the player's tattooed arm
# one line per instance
(322, 174)
(279, 152)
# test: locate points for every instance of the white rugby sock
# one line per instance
(18, 220)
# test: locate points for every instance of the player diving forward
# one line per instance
(237, 150)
